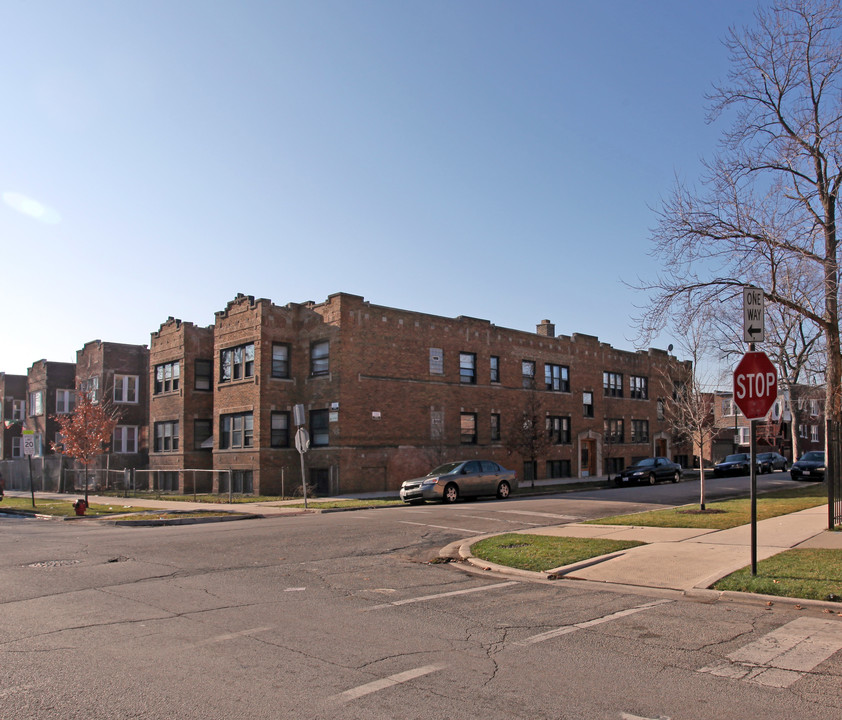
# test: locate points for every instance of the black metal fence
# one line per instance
(833, 473)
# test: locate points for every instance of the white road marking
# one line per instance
(453, 593)
(294, 589)
(550, 634)
(783, 656)
(628, 716)
(513, 522)
(234, 636)
(387, 682)
(541, 514)
(442, 527)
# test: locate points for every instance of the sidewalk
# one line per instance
(682, 559)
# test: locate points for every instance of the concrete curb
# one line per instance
(182, 521)
(461, 550)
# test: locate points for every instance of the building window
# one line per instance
(36, 403)
(558, 468)
(280, 360)
(639, 387)
(614, 431)
(319, 427)
(558, 430)
(587, 404)
(203, 434)
(167, 377)
(814, 433)
(19, 409)
(614, 465)
(612, 384)
(125, 388)
(436, 361)
(495, 427)
(91, 388)
(557, 377)
(203, 371)
(468, 428)
(639, 431)
(661, 409)
(319, 358)
(280, 429)
(236, 431)
(468, 368)
(166, 436)
(727, 406)
(528, 373)
(65, 401)
(236, 363)
(124, 439)
(17, 447)
(495, 369)
(814, 408)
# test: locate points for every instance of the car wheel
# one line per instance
(503, 490)
(652, 478)
(451, 493)
(676, 477)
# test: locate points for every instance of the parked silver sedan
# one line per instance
(453, 480)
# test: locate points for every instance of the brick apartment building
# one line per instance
(13, 398)
(117, 374)
(181, 398)
(51, 391)
(388, 393)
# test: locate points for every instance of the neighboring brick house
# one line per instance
(794, 425)
(117, 374)
(180, 390)
(50, 392)
(13, 398)
(389, 392)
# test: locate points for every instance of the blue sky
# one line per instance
(493, 159)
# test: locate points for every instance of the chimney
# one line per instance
(546, 328)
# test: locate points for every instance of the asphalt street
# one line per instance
(348, 615)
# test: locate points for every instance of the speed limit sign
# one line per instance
(28, 444)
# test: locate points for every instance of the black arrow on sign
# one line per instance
(754, 330)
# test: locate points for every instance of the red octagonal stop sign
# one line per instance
(755, 385)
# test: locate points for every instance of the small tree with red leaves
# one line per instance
(86, 432)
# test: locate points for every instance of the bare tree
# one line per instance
(528, 435)
(769, 200)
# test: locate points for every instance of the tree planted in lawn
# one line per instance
(86, 432)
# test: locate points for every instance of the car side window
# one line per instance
(472, 467)
(490, 467)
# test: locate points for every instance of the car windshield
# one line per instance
(445, 469)
(645, 463)
(813, 456)
(739, 457)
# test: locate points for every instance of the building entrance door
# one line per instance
(588, 457)
(661, 447)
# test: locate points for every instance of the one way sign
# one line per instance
(754, 318)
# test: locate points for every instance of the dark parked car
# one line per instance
(810, 466)
(770, 461)
(650, 470)
(467, 477)
(736, 464)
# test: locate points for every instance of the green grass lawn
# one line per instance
(725, 514)
(540, 552)
(63, 508)
(350, 503)
(800, 573)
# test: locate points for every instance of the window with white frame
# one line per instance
(17, 447)
(814, 408)
(727, 406)
(124, 439)
(36, 403)
(19, 410)
(65, 401)
(125, 389)
(803, 431)
(91, 388)
(527, 371)
(280, 360)
(166, 436)
(320, 358)
(468, 368)
(814, 433)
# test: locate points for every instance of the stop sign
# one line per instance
(755, 385)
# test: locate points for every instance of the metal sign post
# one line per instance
(302, 444)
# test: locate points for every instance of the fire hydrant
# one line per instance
(80, 506)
